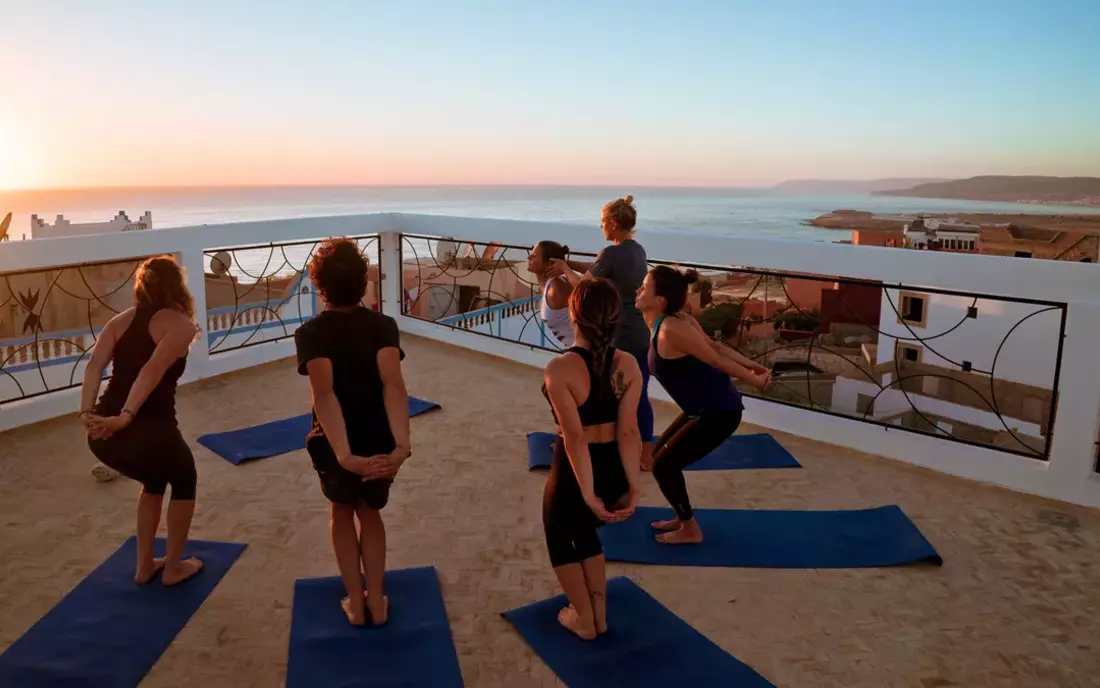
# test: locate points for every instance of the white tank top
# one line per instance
(557, 320)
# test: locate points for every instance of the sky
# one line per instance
(729, 92)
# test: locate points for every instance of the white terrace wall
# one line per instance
(1068, 476)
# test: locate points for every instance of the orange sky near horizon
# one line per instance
(212, 93)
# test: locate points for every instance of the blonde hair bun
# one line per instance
(628, 199)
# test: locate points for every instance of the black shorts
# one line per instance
(152, 452)
(341, 486)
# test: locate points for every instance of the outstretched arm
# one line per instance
(573, 272)
(729, 352)
(692, 342)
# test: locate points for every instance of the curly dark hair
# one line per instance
(339, 272)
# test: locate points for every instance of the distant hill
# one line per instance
(1047, 190)
(851, 185)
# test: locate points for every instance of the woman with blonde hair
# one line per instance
(623, 263)
(132, 428)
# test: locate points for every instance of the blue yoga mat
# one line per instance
(776, 539)
(645, 645)
(738, 452)
(414, 648)
(109, 631)
(278, 437)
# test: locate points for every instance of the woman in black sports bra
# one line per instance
(594, 391)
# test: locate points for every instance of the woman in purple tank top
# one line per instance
(696, 372)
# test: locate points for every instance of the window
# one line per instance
(865, 405)
(913, 310)
(909, 353)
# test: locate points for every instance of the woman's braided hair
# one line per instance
(594, 307)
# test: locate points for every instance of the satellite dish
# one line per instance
(220, 263)
(445, 250)
(4, 227)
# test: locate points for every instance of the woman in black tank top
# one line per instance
(132, 428)
(593, 390)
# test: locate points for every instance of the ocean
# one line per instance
(734, 212)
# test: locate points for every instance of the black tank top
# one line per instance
(601, 406)
(132, 351)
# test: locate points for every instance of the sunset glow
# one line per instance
(710, 93)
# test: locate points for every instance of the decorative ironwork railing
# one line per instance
(978, 369)
(262, 293)
(485, 288)
(50, 320)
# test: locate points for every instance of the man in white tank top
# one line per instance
(554, 311)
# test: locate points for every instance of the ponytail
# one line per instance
(594, 307)
(672, 285)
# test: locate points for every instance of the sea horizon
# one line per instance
(728, 210)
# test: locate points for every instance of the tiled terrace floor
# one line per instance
(1017, 602)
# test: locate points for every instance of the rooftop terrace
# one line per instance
(948, 362)
(1015, 603)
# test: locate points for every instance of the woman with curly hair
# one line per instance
(360, 433)
(132, 428)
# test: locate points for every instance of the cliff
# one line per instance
(1047, 190)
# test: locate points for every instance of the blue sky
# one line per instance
(99, 93)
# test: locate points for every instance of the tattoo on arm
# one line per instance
(618, 384)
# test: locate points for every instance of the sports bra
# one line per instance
(601, 406)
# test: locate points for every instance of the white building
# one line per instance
(967, 365)
(40, 229)
(949, 234)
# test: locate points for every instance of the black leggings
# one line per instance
(569, 524)
(687, 440)
(153, 453)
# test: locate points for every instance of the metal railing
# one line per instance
(904, 357)
(262, 293)
(51, 318)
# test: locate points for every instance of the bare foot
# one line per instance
(682, 536)
(673, 524)
(379, 612)
(145, 573)
(599, 611)
(569, 618)
(356, 617)
(183, 570)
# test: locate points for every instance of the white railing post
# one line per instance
(198, 360)
(1073, 447)
(389, 272)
